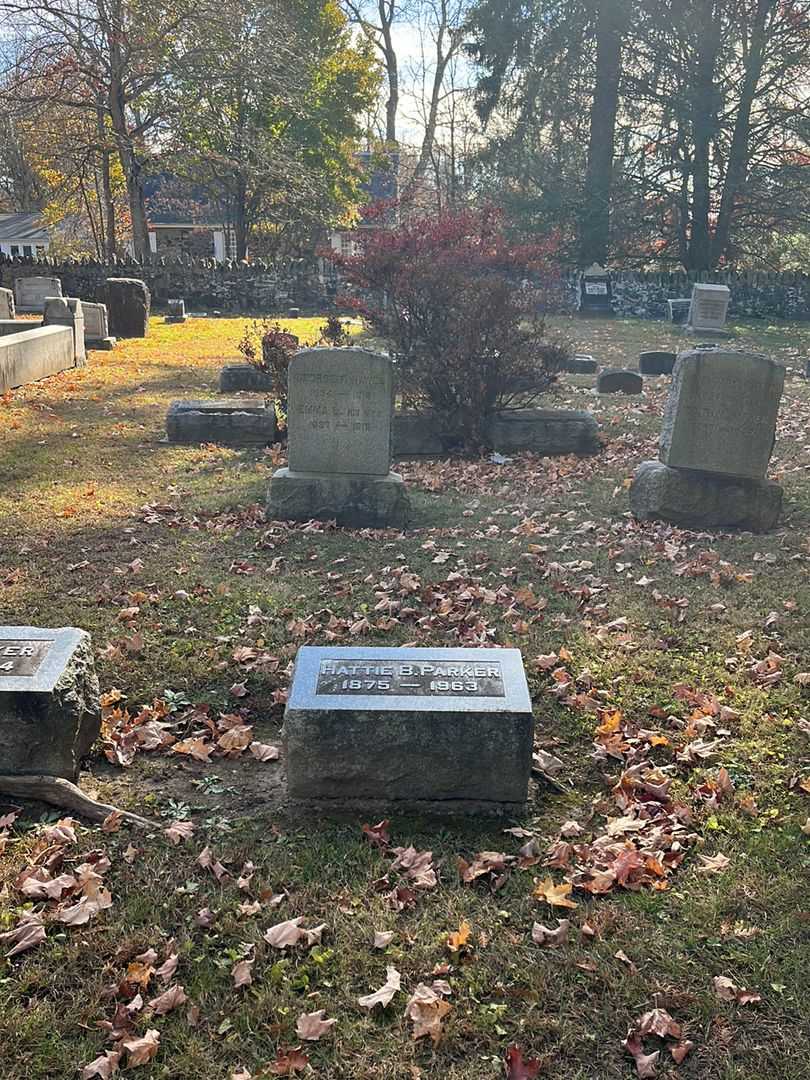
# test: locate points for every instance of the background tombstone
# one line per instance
(707, 312)
(582, 364)
(49, 701)
(619, 381)
(96, 326)
(679, 311)
(716, 441)
(6, 304)
(176, 311)
(31, 292)
(595, 292)
(339, 416)
(128, 303)
(67, 311)
(447, 729)
(656, 363)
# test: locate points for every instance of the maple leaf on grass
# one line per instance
(383, 938)
(726, 990)
(457, 940)
(168, 1000)
(179, 830)
(386, 992)
(542, 935)
(426, 1009)
(141, 1049)
(103, 1067)
(241, 972)
(312, 1026)
(288, 1062)
(518, 1068)
(555, 895)
(198, 748)
(378, 835)
(264, 751)
(288, 933)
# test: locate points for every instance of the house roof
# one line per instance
(26, 227)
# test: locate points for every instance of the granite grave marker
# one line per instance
(440, 728)
(31, 292)
(709, 307)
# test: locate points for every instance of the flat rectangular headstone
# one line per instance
(439, 727)
(49, 700)
(720, 415)
(31, 292)
(709, 306)
(340, 406)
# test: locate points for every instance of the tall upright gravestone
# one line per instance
(716, 442)
(708, 309)
(67, 311)
(339, 415)
(31, 292)
(128, 303)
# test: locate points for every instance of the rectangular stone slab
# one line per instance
(709, 306)
(49, 700)
(339, 412)
(439, 728)
(30, 355)
(30, 292)
(720, 415)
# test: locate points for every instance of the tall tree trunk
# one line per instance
(704, 124)
(240, 218)
(594, 218)
(392, 74)
(737, 167)
(108, 211)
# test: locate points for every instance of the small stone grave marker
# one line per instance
(679, 311)
(67, 311)
(442, 728)
(176, 311)
(619, 381)
(595, 292)
(49, 700)
(96, 327)
(708, 308)
(656, 363)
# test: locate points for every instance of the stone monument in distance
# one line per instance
(716, 441)
(339, 416)
(708, 309)
(439, 729)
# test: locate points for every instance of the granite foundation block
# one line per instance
(548, 432)
(350, 499)
(582, 364)
(228, 423)
(398, 734)
(697, 500)
(49, 701)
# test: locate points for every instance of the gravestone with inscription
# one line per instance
(716, 441)
(707, 312)
(31, 292)
(656, 363)
(339, 415)
(96, 327)
(128, 304)
(595, 294)
(443, 729)
(49, 700)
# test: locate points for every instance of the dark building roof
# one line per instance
(26, 227)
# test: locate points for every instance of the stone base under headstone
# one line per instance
(356, 501)
(106, 344)
(234, 377)
(696, 500)
(230, 423)
(702, 331)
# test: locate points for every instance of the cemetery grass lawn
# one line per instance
(161, 553)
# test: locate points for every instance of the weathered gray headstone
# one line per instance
(679, 311)
(696, 500)
(656, 363)
(709, 307)
(96, 327)
(235, 377)
(128, 303)
(238, 422)
(721, 413)
(49, 700)
(441, 728)
(6, 304)
(176, 311)
(582, 364)
(31, 292)
(67, 311)
(339, 410)
(619, 381)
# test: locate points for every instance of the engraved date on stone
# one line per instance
(411, 678)
(22, 658)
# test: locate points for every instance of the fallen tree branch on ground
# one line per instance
(59, 792)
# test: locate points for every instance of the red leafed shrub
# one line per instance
(270, 349)
(455, 298)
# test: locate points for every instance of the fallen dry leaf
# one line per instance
(312, 1026)
(242, 974)
(458, 939)
(288, 1062)
(168, 1000)
(645, 1063)
(726, 990)
(264, 751)
(518, 1068)
(103, 1067)
(179, 830)
(386, 992)
(383, 938)
(141, 1049)
(426, 1009)
(542, 935)
(555, 895)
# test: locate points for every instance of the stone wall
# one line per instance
(205, 285)
(264, 288)
(754, 294)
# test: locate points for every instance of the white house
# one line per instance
(23, 234)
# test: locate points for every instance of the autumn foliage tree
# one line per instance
(458, 301)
